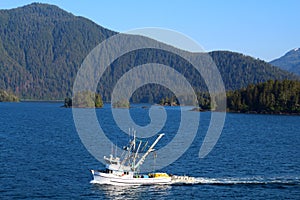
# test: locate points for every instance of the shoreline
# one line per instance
(265, 113)
(40, 101)
(195, 109)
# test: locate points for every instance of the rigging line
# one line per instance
(145, 146)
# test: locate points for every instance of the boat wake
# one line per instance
(237, 181)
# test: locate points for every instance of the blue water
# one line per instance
(256, 157)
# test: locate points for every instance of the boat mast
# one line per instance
(149, 151)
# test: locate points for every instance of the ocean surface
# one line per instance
(42, 156)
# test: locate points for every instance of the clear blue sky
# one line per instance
(264, 29)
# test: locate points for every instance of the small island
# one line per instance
(85, 99)
(203, 104)
(124, 103)
(8, 97)
(169, 101)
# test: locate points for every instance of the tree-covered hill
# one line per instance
(269, 97)
(42, 48)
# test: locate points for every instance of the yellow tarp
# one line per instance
(159, 175)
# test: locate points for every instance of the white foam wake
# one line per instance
(248, 180)
(231, 180)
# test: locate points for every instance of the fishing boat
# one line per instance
(126, 171)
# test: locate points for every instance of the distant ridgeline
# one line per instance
(8, 97)
(42, 48)
(290, 61)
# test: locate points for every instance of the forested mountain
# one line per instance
(42, 48)
(290, 61)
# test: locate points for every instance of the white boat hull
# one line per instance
(112, 179)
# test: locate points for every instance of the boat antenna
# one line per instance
(154, 160)
(112, 149)
(116, 149)
(129, 133)
(134, 139)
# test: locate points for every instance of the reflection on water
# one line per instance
(132, 192)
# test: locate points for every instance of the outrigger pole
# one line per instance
(149, 151)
